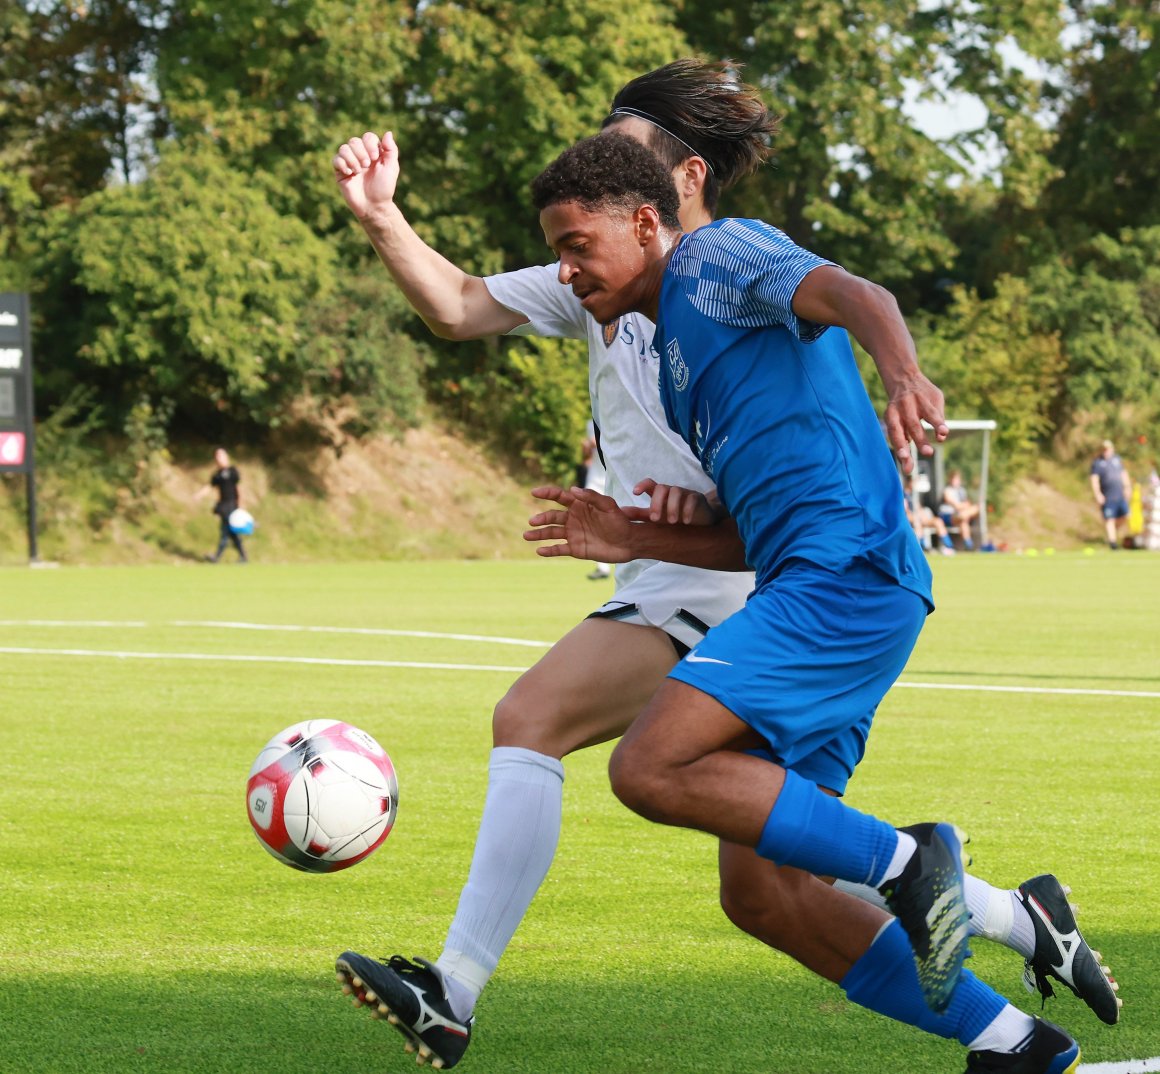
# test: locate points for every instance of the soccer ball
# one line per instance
(241, 521)
(322, 796)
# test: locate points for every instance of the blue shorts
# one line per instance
(806, 662)
(1115, 508)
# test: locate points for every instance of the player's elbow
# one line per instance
(456, 330)
(873, 296)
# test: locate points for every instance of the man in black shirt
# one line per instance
(226, 480)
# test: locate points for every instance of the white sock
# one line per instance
(903, 852)
(1009, 1032)
(513, 850)
(862, 891)
(999, 915)
(996, 914)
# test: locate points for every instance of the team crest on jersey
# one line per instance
(608, 332)
(677, 368)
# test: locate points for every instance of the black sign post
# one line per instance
(17, 432)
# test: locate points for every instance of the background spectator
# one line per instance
(1111, 487)
(957, 508)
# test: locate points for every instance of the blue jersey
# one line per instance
(1110, 471)
(775, 409)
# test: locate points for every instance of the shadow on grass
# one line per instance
(743, 1022)
(269, 1022)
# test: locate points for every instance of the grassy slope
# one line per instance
(430, 494)
(142, 928)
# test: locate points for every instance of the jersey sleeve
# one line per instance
(550, 306)
(745, 273)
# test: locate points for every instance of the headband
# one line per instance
(649, 119)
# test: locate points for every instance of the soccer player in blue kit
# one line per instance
(777, 701)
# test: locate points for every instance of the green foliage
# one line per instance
(856, 178)
(77, 98)
(1108, 153)
(187, 286)
(365, 371)
(165, 190)
(279, 86)
(146, 447)
(531, 400)
(77, 480)
(1104, 302)
(1077, 340)
(992, 360)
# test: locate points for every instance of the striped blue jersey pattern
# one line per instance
(775, 410)
(744, 273)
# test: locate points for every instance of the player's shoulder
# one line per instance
(734, 242)
(738, 234)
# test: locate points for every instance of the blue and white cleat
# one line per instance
(411, 996)
(928, 899)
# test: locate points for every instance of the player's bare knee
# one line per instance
(639, 783)
(534, 722)
(514, 723)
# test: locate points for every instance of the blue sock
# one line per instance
(814, 831)
(884, 980)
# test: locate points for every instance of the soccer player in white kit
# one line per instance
(711, 130)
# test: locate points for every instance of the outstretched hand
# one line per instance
(912, 401)
(590, 526)
(367, 170)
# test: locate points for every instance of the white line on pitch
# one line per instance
(122, 654)
(242, 658)
(384, 632)
(1076, 691)
(289, 628)
(374, 631)
(74, 622)
(1126, 1066)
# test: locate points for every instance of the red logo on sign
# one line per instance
(11, 449)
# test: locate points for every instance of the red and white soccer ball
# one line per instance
(322, 796)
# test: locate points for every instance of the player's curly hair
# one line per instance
(609, 171)
(703, 107)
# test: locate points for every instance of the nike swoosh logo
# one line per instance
(693, 658)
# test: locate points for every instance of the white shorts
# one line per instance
(684, 602)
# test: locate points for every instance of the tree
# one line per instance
(856, 179)
(186, 287)
(1103, 299)
(995, 359)
(278, 86)
(77, 100)
(1108, 152)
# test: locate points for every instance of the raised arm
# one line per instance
(452, 303)
(831, 295)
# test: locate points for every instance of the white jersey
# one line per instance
(635, 439)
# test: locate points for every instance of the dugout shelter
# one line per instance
(931, 473)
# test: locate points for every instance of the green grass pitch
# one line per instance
(143, 928)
